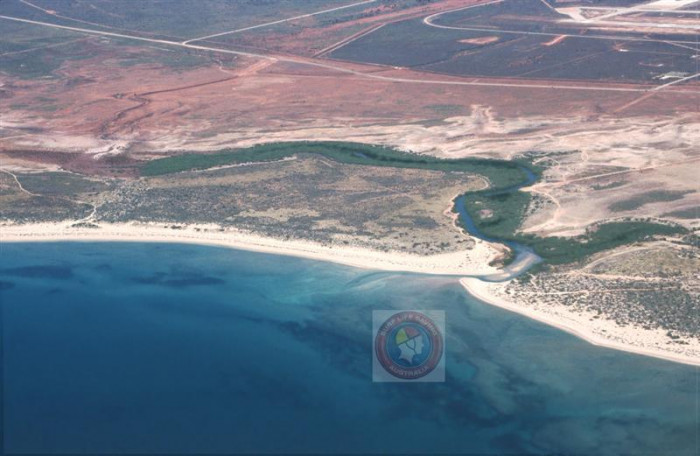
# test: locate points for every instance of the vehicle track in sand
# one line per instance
(281, 21)
(19, 184)
(358, 73)
(618, 173)
(429, 21)
(142, 99)
(88, 218)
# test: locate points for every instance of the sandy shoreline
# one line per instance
(604, 333)
(466, 262)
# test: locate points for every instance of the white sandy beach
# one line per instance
(466, 262)
(600, 332)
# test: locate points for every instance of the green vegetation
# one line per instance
(43, 61)
(500, 173)
(448, 109)
(497, 216)
(692, 213)
(646, 198)
(174, 60)
(189, 19)
(60, 184)
(505, 213)
(608, 186)
(559, 250)
(28, 66)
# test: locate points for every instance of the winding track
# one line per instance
(341, 69)
(231, 32)
(48, 46)
(19, 184)
(429, 22)
(88, 218)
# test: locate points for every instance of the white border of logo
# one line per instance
(379, 373)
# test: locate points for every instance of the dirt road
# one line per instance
(342, 69)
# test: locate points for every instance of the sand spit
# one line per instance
(475, 261)
(600, 332)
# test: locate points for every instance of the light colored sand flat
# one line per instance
(475, 261)
(467, 262)
(600, 332)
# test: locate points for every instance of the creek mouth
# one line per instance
(497, 171)
(524, 257)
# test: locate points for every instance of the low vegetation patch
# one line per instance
(508, 211)
(497, 215)
(608, 186)
(500, 173)
(691, 213)
(605, 236)
(646, 198)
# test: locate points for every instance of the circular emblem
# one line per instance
(408, 345)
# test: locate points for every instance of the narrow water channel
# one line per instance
(524, 256)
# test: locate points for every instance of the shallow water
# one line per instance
(524, 257)
(125, 347)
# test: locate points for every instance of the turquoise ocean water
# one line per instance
(140, 348)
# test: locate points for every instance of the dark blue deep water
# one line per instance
(121, 347)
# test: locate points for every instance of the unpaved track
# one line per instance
(267, 24)
(48, 46)
(429, 22)
(55, 14)
(551, 220)
(345, 41)
(619, 173)
(19, 184)
(90, 217)
(142, 99)
(687, 78)
(634, 102)
(328, 66)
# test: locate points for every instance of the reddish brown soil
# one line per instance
(98, 98)
(310, 40)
